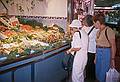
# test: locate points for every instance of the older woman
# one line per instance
(79, 45)
(106, 47)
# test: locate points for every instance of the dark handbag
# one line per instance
(67, 61)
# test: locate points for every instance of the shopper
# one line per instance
(79, 45)
(106, 47)
(91, 31)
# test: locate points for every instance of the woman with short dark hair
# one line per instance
(106, 47)
(91, 31)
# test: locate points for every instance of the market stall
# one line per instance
(33, 41)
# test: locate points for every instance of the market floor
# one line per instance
(86, 80)
(69, 79)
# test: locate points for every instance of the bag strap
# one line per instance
(80, 38)
(107, 36)
(79, 34)
(91, 30)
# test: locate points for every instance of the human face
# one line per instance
(97, 24)
(84, 23)
(73, 30)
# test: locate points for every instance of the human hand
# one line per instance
(68, 51)
(112, 63)
(95, 60)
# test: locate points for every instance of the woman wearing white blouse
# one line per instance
(91, 31)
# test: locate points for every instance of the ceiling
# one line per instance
(106, 2)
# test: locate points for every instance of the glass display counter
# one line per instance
(31, 52)
(40, 67)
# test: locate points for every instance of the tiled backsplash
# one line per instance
(46, 20)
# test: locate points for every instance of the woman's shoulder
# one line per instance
(110, 32)
(109, 29)
(83, 31)
(84, 34)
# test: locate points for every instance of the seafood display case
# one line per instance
(22, 37)
(28, 48)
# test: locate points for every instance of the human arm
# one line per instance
(75, 43)
(113, 46)
(73, 50)
(113, 52)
